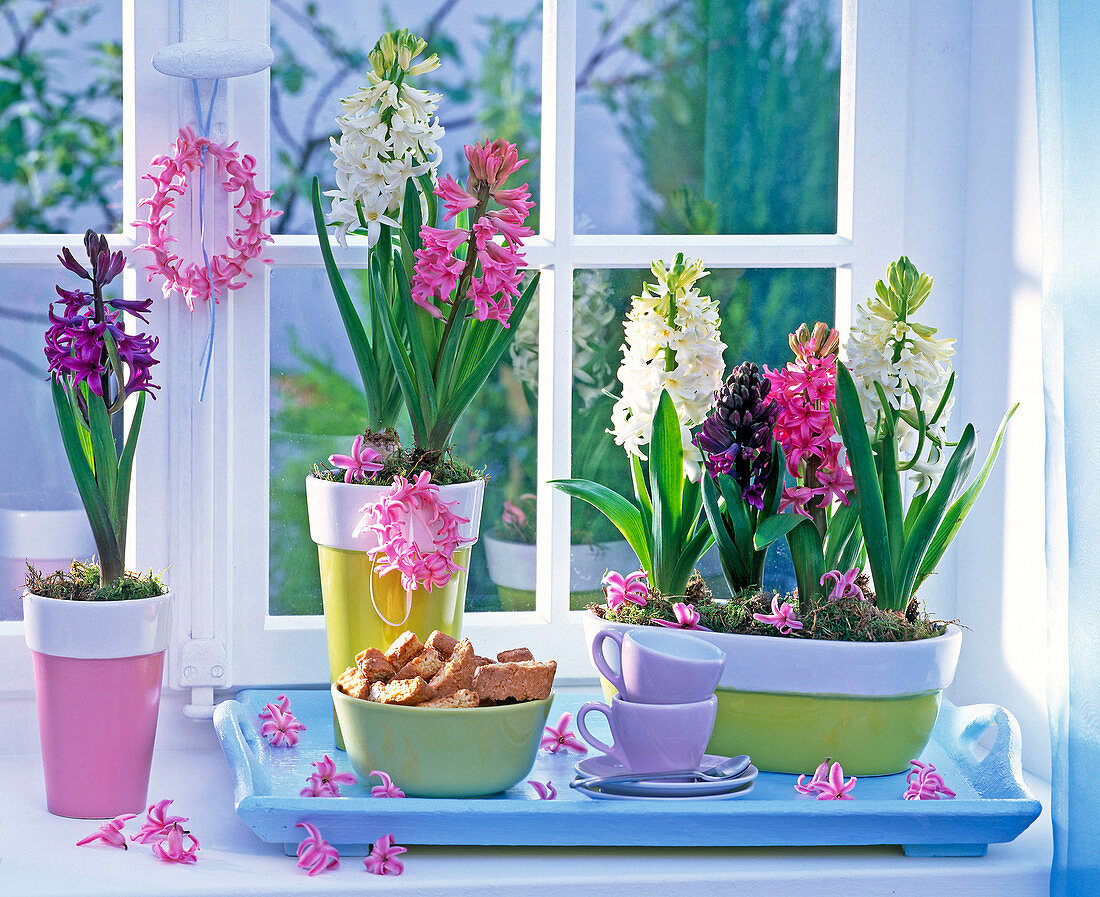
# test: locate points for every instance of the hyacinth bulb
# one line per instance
(736, 437)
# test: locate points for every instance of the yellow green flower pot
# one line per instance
(362, 609)
(790, 703)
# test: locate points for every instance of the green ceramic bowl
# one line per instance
(442, 753)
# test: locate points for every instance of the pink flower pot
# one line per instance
(97, 675)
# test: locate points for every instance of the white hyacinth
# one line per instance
(888, 348)
(387, 136)
(672, 343)
(592, 312)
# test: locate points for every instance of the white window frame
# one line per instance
(202, 472)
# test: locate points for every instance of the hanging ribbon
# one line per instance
(204, 128)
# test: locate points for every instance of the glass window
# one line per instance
(60, 116)
(707, 116)
(492, 57)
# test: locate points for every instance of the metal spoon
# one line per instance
(729, 768)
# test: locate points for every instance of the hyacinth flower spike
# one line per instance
(782, 617)
(109, 833)
(315, 853)
(383, 857)
(387, 788)
(687, 617)
(545, 791)
(557, 737)
(620, 590)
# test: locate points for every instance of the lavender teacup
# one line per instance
(653, 737)
(660, 666)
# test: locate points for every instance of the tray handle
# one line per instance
(242, 747)
(999, 770)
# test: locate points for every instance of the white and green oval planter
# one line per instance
(790, 703)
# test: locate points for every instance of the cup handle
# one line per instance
(600, 661)
(612, 750)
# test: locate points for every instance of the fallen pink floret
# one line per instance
(620, 590)
(282, 703)
(110, 832)
(782, 617)
(844, 584)
(280, 729)
(545, 791)
(172, 849)
(315, 853)
(383, 857)
(326, 781)
(687, 617)
(924, 783)
(387, 788)
(157, 824)
(827, 783)
(557, 737)
(821, 775)
(360, 464)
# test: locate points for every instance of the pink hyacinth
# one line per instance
(620, 590)
(157, 823)
(315, 853)
(805, 391)
(687, 617)
(782, 617)
(109, 832)
(827, 783)
(383, 857)
(281, 703)
(844, 584)
(387, 788)
(489, 274)
(173, 849)
(281, 727)
(513, 515)
(326, 781)
(417, 533)
(360, 464)
(545, 791)
(924, 783)
(557, 737)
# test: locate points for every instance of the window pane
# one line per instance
(760, 307)
(41, 518)
(60, 116)
(491, 52)
(707, 116)
(317, 407)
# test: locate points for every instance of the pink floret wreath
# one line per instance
(228, 269)
(417, 533)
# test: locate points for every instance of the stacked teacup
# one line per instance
(663, 715)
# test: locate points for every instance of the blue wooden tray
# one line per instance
(993, 804)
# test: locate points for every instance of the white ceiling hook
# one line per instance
(213, 58)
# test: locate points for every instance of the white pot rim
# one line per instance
(334, 511)
(760, 663)
(97, 630)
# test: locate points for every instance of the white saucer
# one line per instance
(676, 788)
(597, 794)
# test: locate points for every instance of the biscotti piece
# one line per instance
(402, 691)
(373, 665)
(441, 643)
(480, 661)
(463, 698)
(353, 682)
(425, 665)
(458, 672)
(515, 655)
(525, 680)
(404, 648)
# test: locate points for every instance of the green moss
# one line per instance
(81, 583)
(846, 619)
(445, 469)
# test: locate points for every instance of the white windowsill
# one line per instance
(38, 855)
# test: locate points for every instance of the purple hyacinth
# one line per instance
(736, 437)
(76, 341)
